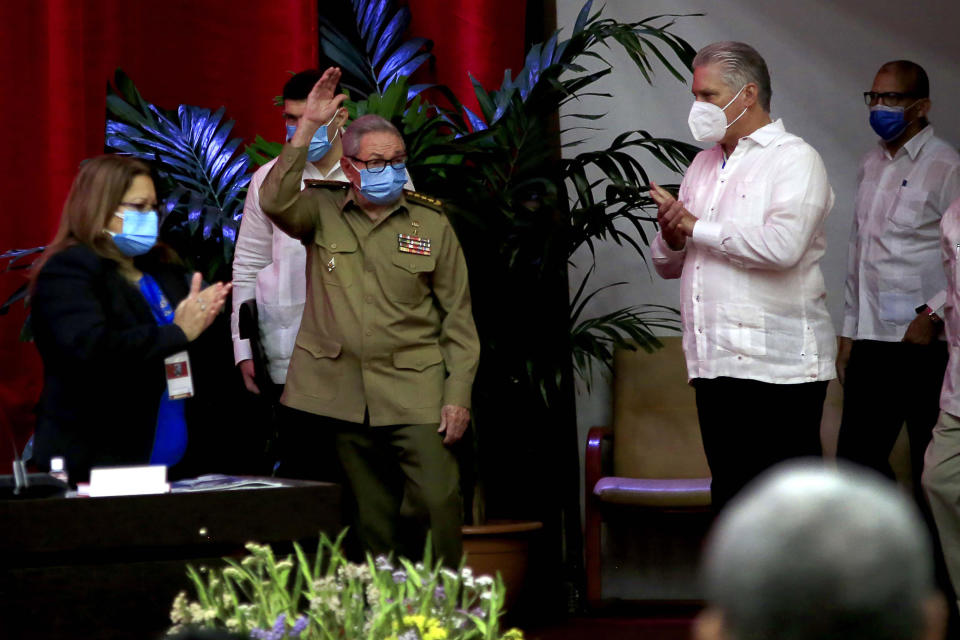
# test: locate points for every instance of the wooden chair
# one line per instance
(658, 458)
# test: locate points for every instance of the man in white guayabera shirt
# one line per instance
(941, 468)
(269, 266)
(891, 356)
(746, 237)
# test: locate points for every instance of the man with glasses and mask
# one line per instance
(892, 356)
(387, 349)
(269, 266)
(746, 237)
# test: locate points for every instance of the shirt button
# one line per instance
(698, 298)
(369, 299)
(369, 332)
(333, 245)
(413, 265)
(700, 329)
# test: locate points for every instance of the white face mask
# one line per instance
(708, 122)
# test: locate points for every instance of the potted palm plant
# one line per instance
(521, 212)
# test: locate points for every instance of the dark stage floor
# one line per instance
(622, 621)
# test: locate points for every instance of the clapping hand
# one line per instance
(676, 223)
(197, 311)
(321, 107)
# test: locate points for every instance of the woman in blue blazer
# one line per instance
(108, 307)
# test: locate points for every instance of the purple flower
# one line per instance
(478, 612)
(278, 631)
(382, 563)
(399, 576)
(298, 627)
(263, 634)
(439, 593)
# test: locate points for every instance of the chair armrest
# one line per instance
(593, 460)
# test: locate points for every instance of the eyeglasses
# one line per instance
(377, 165)
(141, 207)
(886, 98)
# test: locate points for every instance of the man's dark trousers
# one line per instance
(749, 426)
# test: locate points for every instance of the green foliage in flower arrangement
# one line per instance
(328, 598)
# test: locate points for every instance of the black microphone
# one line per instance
(22, 485)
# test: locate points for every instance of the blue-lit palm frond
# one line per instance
(376, 54)
(202, 177)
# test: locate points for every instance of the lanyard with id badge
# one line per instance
(177, 366)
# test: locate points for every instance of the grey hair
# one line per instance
(741, 64)
(360, 127)
(809, 553)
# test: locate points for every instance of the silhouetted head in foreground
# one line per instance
(811, 553)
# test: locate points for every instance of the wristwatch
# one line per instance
(930, 313)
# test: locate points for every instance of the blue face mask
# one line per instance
(319, 145)
(139, 232)
(384, 187)
(888, 122)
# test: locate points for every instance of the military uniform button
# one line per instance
(368, 332)
(369, 299)
(333, 245)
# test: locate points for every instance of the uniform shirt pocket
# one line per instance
(898, 299)
(408, 277)
(323, 368)
(749, 202)
(420, 375)
(741, 329)
(335, 253)
(910, 207)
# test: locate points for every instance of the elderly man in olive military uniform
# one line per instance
(387, 349)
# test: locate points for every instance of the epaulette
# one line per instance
(326, 184)
(423, 200)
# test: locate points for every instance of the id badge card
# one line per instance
(179, 376)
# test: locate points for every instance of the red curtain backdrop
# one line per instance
(56, 58)
(58, 55)
(482, 37)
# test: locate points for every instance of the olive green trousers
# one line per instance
(407, 465)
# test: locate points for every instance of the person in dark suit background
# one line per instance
(108, 306)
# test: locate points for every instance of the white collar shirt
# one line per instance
(753, 300)
(270, 266)
(893, 260)
(950, 251)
